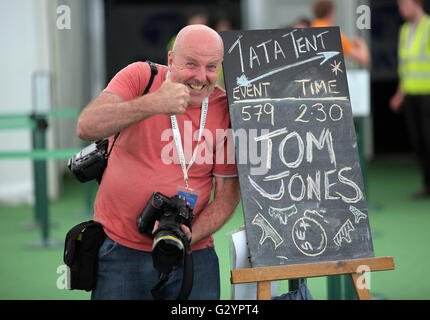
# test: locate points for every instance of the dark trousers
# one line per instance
(125, 273)
(416, 109)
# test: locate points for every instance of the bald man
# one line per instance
(146, 158)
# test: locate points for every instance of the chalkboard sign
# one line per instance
(301, 183)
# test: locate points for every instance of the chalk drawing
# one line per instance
(282, 213)
(358, 215)
(309, 236)
(268, 231)
(344, 233)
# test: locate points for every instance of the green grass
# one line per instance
(28, 272)
(399, 227)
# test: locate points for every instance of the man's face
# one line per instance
(196, 63)
(407, 9)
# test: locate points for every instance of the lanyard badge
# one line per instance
(189, 194)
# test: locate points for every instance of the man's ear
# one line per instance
(170, 59)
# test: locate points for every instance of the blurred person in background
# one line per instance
(302, 22)
(222, 24)
(413, 92)
(355, 49)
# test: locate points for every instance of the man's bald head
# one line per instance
(197, 34)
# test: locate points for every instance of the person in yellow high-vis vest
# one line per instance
(413, 93)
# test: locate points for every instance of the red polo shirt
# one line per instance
(144, 159)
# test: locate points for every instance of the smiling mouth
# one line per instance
(196, 87)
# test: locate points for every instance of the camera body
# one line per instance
(90, 162)
(170, 246)
(170, 212)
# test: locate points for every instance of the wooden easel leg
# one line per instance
(263, 290)
(360, 287)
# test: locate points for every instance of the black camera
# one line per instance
(170, 243)
(90, 162)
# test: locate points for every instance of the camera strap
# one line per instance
(164, 277)
(188, 277)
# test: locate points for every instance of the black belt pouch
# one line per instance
(81, 254)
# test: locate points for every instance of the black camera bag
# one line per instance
(81, 254)
(90, 163)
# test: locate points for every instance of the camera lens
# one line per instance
(167, 251)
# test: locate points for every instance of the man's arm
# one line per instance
(215, 215)
(360, 52)
(107, 114)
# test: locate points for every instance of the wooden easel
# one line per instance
(264, 275)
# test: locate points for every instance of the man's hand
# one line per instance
(186, 231)
(396, 101)
(173, 97)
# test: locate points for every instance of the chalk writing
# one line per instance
(251, 91)
(335, 113)
(274, 196)
(271, 50)
(317, 87)
(258, 109)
